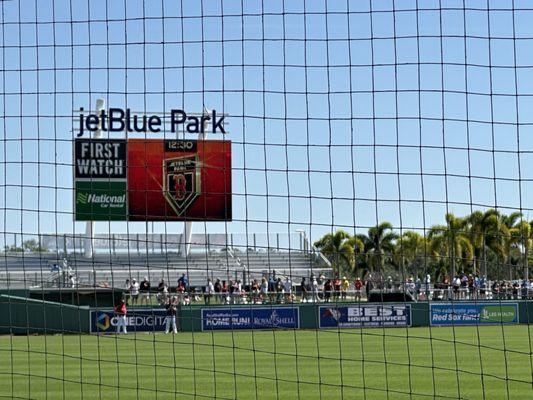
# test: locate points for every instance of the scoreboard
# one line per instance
(152, 180)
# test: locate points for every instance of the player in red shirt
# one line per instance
(120, 312)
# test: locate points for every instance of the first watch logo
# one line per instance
(181, 182)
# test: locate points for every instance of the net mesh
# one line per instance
(378, 238)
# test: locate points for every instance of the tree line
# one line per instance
(486, 243)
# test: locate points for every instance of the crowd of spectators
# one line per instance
(278, 290)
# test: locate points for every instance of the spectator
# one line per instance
(271, 287)
(218, 290)
(337, 287)
(369, 286)
(358, 285)
(328, 287)
(427, 286)
(224, 292)
(473, 286)
(303, 288)
(345, 285)
(279, 290)
(145, 291)
(209, 290)
(314, 289)
(482, 287)
(418, 287)
(256, 293)
(456, 285)
(162, 292)
(120, 312)
(134, 291)
(389, 284)
(464, 286)
(170, 320)
(241, 293)
(180, 289)
(126, 293)
(264, 289)
(184, 281)
(410, 286)
(287, 288)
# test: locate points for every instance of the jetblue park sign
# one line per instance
(124, 120)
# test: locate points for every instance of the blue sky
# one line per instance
(340, 116)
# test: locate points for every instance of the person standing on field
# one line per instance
(344, 287)
(170, 320)
(209, 290)
(120, 312)
(145, 291)
(134, 292)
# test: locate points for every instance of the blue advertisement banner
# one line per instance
(364, 316)
(473, 314)
(214, 319)
(137, 320)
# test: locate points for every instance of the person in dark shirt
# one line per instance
(337, 287)
(218, 289)
(145, 291)
(170, 320)
(184, 281)
(328, 286)
(279, 290)
(303, 288)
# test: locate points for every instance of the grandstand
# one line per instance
(111, 266)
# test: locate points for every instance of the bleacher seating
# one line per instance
(24, 270)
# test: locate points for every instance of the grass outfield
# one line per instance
(352, 364)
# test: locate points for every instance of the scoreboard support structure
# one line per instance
(188, 225)
(88, 243)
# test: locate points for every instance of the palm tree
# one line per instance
(511, 237)
(525, 238)
(451, 241)
(379, 243)
(339, 248)
(411, 250)
(485, 233)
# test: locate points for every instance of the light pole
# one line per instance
(303, 239)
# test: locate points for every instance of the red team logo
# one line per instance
(179, 180)
(182, 182)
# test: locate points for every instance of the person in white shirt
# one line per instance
(314, 289)
(134, 291)
(287, 288)
(209, 290)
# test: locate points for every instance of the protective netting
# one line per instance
(314, 199)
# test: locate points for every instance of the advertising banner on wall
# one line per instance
(152, 180)
(137, 320)
(215, 319)
(364, 316)
(473, 313)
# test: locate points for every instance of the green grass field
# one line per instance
(418, 363)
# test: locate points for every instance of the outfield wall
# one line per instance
(22, 315)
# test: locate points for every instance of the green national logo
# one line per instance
(81, 198)
(102, 200)
(498, 313)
